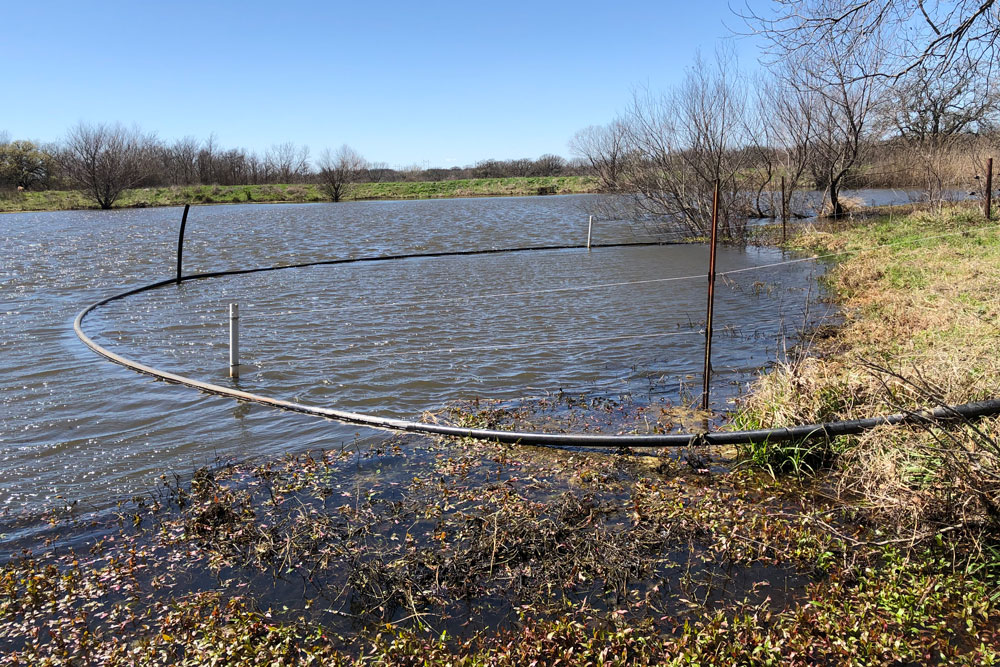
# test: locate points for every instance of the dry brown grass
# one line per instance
(921, 328)
(847, 204)
(938, 171)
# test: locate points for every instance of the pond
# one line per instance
(397, 338)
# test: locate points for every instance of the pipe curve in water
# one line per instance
(798, 433)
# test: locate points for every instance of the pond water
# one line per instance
(390, 338)
(808, 202)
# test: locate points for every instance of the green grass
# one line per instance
(477, 187)
(63, 200)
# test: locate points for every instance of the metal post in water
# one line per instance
(989, 187)
(180, 242)
(590, 228)
(234, 341)
(784, 212)
(711, 297)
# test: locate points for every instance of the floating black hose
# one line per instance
(806, 432)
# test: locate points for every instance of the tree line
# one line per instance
(842, 101)
(855, 93)
(105, 159)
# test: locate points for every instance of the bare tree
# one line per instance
(104, 160)
(840, 141)
(287, 161)
(909, 33)
(603, 147)
(548, 165)
(257, 169)
(837, 82)
(489, 169)
(936, 117)
(762, 151)
(788, 120)
(378, 172)
(415, 171)
(207, 161)
(339, 169)
(232, 167)
(926, 104)
(181, 161)
(680, 144)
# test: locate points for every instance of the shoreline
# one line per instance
(838, 554)
(308, 193)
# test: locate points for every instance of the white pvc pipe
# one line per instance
(234, 340)
(590, 228)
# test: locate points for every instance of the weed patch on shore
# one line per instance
(463, 552)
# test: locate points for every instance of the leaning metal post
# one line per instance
(784, 212)
(180, 242)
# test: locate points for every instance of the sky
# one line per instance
(431, 84)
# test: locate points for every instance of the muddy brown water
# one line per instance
(390, 338)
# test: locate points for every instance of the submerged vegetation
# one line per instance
(875, 549)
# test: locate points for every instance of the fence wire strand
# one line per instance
(596, 286)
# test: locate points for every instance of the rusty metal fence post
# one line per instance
(711, 297)
(784, 213)
(234, 341)
(987, 205)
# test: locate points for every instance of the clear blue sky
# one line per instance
(428, 83)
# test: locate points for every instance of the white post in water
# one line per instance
(234, 341)
(590, 228)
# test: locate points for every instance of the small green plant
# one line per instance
(796, 457)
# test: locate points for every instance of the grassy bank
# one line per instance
(61, 200)
(921, 312)
(871, 550)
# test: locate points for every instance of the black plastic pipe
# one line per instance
(804, 432)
